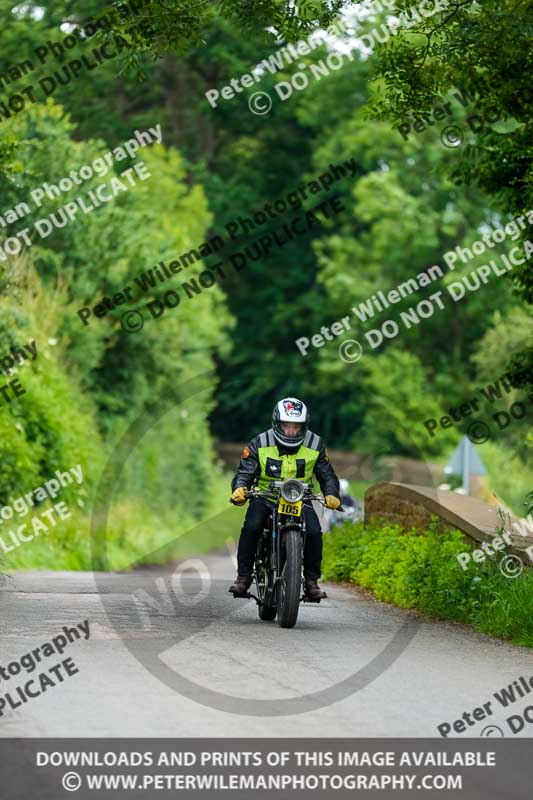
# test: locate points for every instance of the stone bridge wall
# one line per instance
(414, 506)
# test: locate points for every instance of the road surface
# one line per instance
(227, 663)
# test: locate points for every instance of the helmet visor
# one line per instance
(290, 434)
(291, 430)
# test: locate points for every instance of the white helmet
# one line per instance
(290, 409)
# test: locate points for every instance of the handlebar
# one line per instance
(308, 495)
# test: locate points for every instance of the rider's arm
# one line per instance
(325, 474)
(248, 467)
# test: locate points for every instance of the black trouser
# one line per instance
(254, 522)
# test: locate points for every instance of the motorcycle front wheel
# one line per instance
(290, 583)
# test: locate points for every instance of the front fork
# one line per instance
(276, 559)
(276, 552)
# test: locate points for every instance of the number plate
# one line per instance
(294, 509)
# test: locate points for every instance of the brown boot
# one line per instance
(312, 590)
(241, 585)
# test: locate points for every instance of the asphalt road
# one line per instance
(173, 654)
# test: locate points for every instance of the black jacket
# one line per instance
(249, 467)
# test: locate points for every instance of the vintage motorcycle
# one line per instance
(278, 568)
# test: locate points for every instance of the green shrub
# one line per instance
(421, 571)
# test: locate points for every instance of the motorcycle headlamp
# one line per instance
(292, 490)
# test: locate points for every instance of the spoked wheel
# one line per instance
(290, 582)
(266, 611)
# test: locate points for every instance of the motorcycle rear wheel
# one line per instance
(290, 584)
(266, 611)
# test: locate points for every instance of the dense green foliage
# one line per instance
(136, 533)
(483, 49)
(422, 572)
(403, 209)
(89, 383)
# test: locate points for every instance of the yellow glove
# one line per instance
(239, 496)
(332, 502)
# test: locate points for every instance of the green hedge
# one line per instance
(422, 572)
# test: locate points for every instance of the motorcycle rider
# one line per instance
(288, 450)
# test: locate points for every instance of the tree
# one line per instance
(484, 50)
(118, 374)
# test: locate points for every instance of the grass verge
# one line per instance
(422, 572)
(135, 534)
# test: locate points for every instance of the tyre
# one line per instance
(264, 589)
(267, 613)
(290, 584)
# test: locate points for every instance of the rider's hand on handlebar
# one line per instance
(239, 496)
(332, 502)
